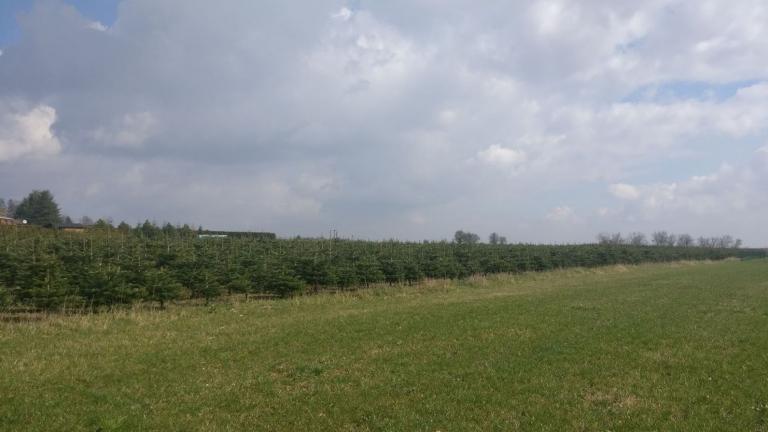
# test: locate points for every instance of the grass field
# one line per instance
(652, 347)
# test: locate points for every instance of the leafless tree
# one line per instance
(637, 239)
(610, 239)
(660, 238)
(684, 240)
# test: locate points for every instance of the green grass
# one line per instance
(652, 347)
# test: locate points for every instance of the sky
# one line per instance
(545, 121)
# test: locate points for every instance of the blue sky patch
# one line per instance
(104, 11)
(687, 90)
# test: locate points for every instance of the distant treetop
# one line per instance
(39, 208)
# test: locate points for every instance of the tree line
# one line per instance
(106, 266)
(49, 269)
(40, 208)
(664, 238)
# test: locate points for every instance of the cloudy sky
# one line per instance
(547, 121)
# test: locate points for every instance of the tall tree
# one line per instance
(161, 287)
(610, 239)
(10, 208)
(39, 208)
(496, 239)
(637, 239)
(662, 238)
(685, 240)
(462, 237)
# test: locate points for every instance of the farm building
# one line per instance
(9, 221)
(73, 227)
(236, 234)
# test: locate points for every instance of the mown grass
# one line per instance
(652, 347)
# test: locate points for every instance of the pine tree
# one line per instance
(6, 299)
(43, 284)
(369, 270)
(393, 271)
(346, 276)
(105, 286)
(161, 287)
(284, 285)
(206, 284)
(39, 208)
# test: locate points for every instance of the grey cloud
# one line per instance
(278, 115)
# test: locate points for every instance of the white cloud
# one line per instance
(548, 16)
(344, 14)
(400, 101)
(27, 133)
(624, 191)
(731, 199)
(561, 214)
(96, 25)
(129, 131)
(501, 156)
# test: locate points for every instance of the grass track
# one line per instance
(652, 347)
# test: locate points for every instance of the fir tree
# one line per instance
(39, 208)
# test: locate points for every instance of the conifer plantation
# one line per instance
(103, 267)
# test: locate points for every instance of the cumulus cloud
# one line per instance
(729, 200)
(27, 132)
(364, 115)
(129, 131)
(561, 214)
(497, 155)
(624, 191)
(344, 14)
(96, 25)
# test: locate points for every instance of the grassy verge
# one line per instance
(652, 347)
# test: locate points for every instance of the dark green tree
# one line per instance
(106, 286)
(169, 230)
(315, 271)
(393, 270)
(346, 276)
(238, 283)
(161, 287)
(102, 225)
(43, 284)
(206, 284)
(369, 270)
(148, 229)
(412, 272)
(282, 284)
(6, 299)
(39, 208)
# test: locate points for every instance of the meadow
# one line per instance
(671, 346)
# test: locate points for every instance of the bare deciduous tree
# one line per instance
(684, 240)
(637, 239)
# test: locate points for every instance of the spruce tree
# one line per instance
(43, 284)
(161, 287)
(39, 208)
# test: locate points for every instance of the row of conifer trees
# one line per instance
(42, 269)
